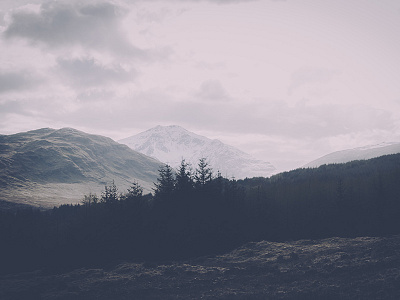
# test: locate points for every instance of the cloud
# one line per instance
(259, 117)
(211, 1)
(87, 72)
(17, 81)
(271, 118)
(11, 107)
(209, 66)
(310, 75)
(59, 24)
(278, 118)
(212, 90)
(312, 121)
(94, 94)
(220, 1)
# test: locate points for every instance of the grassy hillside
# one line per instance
(39, 165)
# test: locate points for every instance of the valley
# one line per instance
(330, 232)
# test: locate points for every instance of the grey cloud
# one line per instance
(152, 16)
(58, 24)
(310, 75)
(269, 118)
(17, 81)
(220, 1)
(212, 90)
(266, 118)
(312, 121)
(142, 109)
(87, 72)
(11, 107)
(94, 94)
(211, 1)
(2, 21)
(280, 119)
(9, 4)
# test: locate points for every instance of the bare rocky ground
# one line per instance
(334, 268)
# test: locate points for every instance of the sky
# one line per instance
(284, 80)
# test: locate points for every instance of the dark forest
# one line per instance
(200, 213)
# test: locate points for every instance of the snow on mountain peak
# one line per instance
(171, 144)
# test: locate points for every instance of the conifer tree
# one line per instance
(203, 173)
(135, 191)
(184, 178)
(90, 199)
(110, 194)
(165, 182)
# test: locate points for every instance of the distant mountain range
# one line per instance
(46, 167)
(365, 152)
(171, 144)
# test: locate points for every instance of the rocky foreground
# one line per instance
(335, 268)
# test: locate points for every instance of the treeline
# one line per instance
(358, 198)
(191, 213)
(197, 212)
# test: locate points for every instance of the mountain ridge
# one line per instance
(359, 153)
(171, 144)
(48, 161)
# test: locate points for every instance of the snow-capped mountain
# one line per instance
(360, 153)
(171, 144)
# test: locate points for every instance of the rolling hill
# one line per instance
(359, 153)
(46, 167)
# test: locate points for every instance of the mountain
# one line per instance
(360, 153)
(170, 144)
(47, 166)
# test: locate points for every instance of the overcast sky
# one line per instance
(286, 81)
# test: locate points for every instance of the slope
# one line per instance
(360, 153)
(170, 144)
(39, 165)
